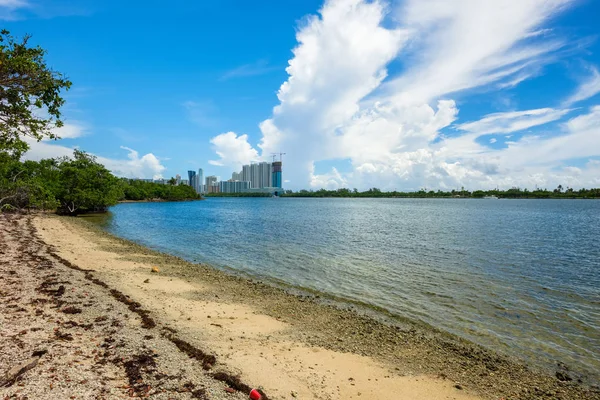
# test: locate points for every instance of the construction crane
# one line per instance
(280, 156)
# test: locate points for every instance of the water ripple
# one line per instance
(519, 276)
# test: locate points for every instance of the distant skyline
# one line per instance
(388, 94)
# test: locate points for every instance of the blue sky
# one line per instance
(396, 94)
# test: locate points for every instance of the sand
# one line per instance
(289, 346)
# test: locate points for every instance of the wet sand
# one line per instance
(290, 346)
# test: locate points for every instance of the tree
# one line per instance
(172, 181)
(559, 189)
(84, 185)
(30, 95)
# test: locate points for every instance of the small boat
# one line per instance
(492, 197)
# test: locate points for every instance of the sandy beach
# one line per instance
(87, 315)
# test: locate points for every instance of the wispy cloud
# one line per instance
(9, 9)
(126, 135)
(589, 87)
(13, 3)
(202, 113)
(513, 121)
(259, 67)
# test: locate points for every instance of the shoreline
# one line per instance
(316, 350)
(157, 201)
(397, 197)
(365, 314)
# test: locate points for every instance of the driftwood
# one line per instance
(12, 374)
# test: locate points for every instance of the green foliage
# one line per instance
(30, 98)
(23, 185)
(142, 190)
(74, 185)
(84, 185)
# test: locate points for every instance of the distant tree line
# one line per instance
(141, 190)
(513, 193)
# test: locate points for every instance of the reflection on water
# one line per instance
(521, 276)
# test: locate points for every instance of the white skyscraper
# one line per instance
(264, 177)
(236, 176)
(255, 176)
(200, 184)
(246, 177)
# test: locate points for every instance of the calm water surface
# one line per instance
(520, 276)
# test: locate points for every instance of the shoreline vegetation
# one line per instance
(316, 349)
(76, 185)
(513, 193)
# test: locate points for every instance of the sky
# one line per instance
(398, 95)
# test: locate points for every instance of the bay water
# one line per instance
(518, 276)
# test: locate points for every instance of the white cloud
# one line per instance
(339, 103)
(331, 181)
(9, 9)
(147, 166)
(513, 121)
(586, 121)
(71, 130)
(233, 150)
(14, 3)
(588, 88)
(340, 59)
(259, 67)
(464, 44)
(134, 166)
(493, 140)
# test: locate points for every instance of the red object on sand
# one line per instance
(255, 395)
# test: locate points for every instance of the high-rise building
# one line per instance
(276, 175)
(254, 175)
(191, 178)
(211, 184)
(246, 175)
(237, 176)
(178, 179)
(260, 175)
(264, 175)
(233, 186)
(200, 188)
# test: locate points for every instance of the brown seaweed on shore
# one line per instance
(71, 310)
(207, 360)
(233, 381)
(134, 368)
(236, 383)
(147, 321)
(63, 336)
